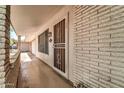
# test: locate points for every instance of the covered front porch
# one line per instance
(62, 46)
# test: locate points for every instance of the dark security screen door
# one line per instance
(59, 45)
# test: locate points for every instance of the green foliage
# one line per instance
(12, 42)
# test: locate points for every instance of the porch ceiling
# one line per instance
(28, 18)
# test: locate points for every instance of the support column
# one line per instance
(4, 44)
(19, 42)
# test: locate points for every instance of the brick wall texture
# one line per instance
(99, 46)
(4, 44)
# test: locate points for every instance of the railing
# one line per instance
(14, 52)
(14, 59)
(14, 71)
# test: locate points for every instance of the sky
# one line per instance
(13, 34)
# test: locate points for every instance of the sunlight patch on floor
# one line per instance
(25, 57)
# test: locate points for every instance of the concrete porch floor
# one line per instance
(36, 74)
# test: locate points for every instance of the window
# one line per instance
(43, 42)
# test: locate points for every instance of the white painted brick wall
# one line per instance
(4, 44)
(99, 45)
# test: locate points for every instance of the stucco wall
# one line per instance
(33, 47)
(49, 58)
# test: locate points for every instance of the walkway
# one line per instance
(35, 74)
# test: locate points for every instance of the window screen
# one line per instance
(43, 42)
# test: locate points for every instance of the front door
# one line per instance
(59, 45)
